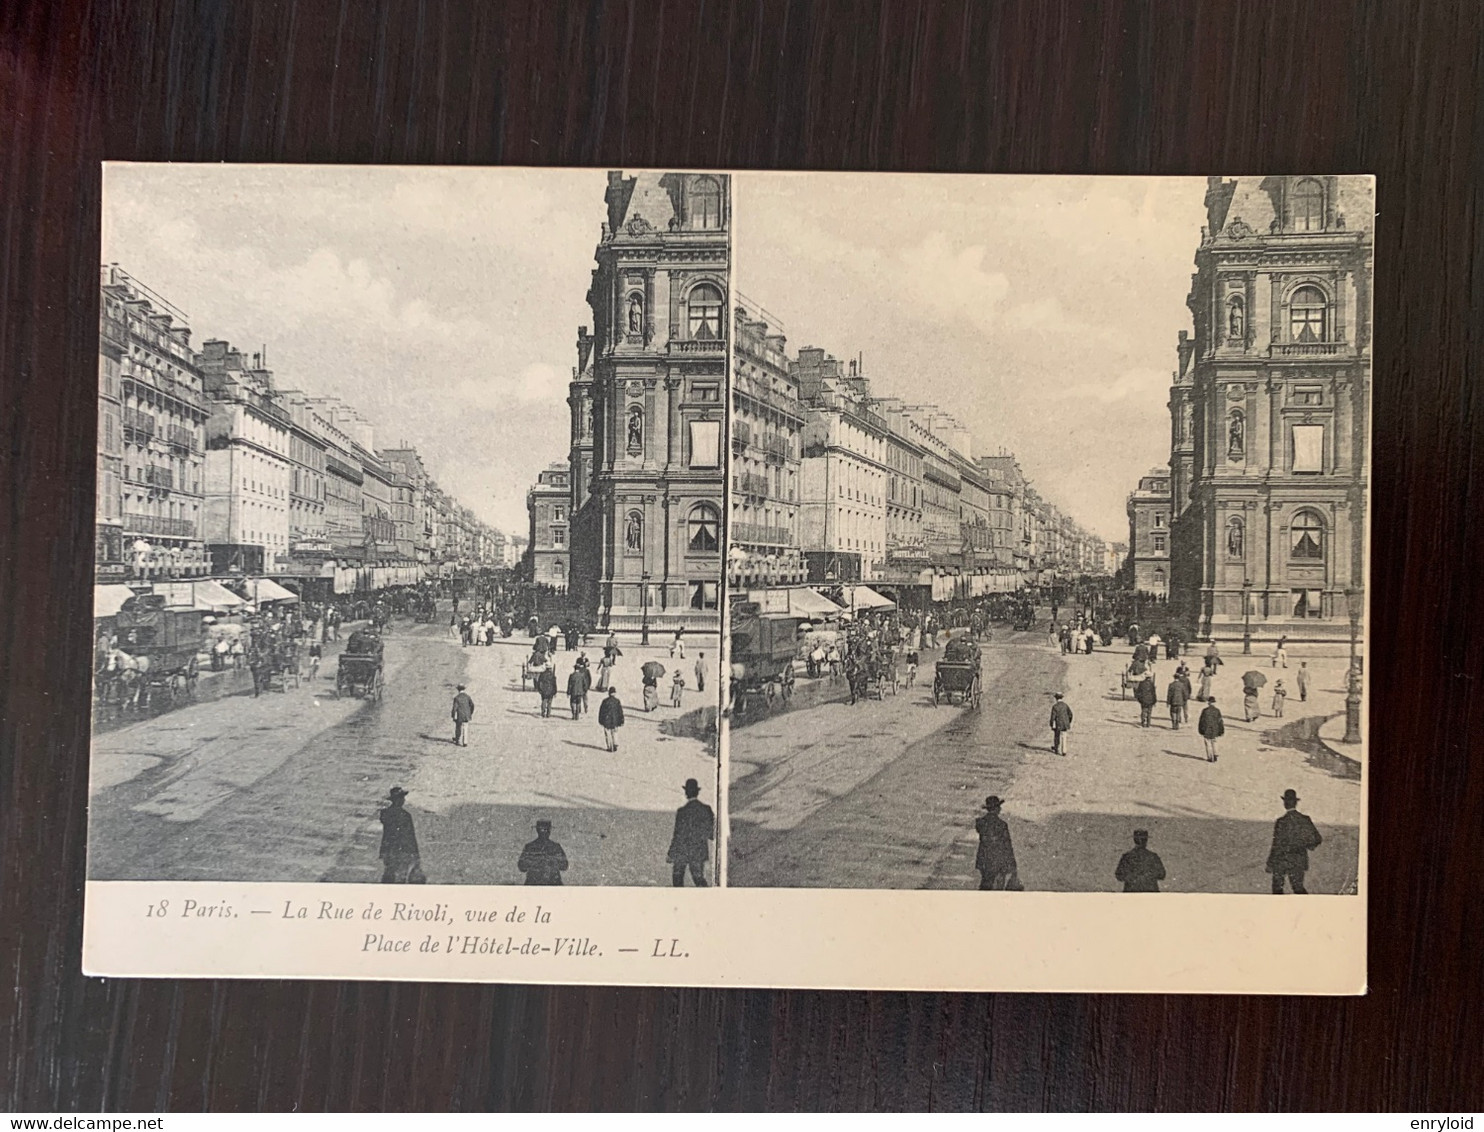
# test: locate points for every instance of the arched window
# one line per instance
(704, 528)
(1308, 206)
(705, 203)
(1306, 536)
(704, 306)
(1308, 315)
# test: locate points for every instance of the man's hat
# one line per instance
(461, 687)
(1290, 796)
(1056, 694)
(993, 802)
(1141, 835)
(397, 792)
(692, 787)
(543, 823)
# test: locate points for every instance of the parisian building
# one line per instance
(548, 508)
(1148, 569)
(1269, 409)
(652, 542)
(767, 423)
(150, 437)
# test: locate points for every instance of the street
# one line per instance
(287, 786)
(883, 794)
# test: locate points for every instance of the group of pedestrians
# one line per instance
(543, 861)
(1140, 869)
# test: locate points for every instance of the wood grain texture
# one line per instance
(1084, 86)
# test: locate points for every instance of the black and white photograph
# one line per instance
(409, 529)
(1048, 554)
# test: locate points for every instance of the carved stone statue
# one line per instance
(1236, 437)
(636, 428)
(1234, 318)
(1234, 538)
(633, 532)
(636, 314)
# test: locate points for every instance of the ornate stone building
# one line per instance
(650, 514)
(1269, 410)
(1148, 568)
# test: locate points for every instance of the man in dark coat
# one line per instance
(1145, 694)
(546, 688)
(576, 689)
(399, 853)
(463, 712)
(1061, 723)
(1175, 696)
(543, 860)
(1212, 727)
(1293, 836)
(610, 718)
(996, 857)
(1140, 869)
(695, 826)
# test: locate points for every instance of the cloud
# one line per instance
(1144, 385)
(953, 281)
(538, 384)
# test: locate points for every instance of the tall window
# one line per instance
(705, 444)
(1307, 312)
(1307, 536)
(1308, 206)
(704, 305)
(705, 203)
(705, 529)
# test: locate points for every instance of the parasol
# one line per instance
(652, 669)
(1253, 680)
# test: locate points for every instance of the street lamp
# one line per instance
(1354, 600)
(1247, 617)
(644, 607)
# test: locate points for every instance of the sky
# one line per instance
(442, 303)
(1042, 311)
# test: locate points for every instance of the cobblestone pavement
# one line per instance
(286, 786)
(884, 794)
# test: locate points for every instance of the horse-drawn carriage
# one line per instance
(360, 671)
(958, 674)
(422, 608)
(152, 665)
(763, 648)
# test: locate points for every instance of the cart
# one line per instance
(164, 643)
(957, 674)
(360, 671)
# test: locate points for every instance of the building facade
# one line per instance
(1269, 410)
(548, 508)
(766, 427)
(1148, 564)
(654, 541)
(150, 437)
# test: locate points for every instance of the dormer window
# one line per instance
(705, 203)
(1308, 206)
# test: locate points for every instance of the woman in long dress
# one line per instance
(1204, 693)
(605, 669)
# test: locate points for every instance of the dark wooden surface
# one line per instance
(1389, 87)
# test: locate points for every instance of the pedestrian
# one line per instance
(677, 688)
(575, 690)
(1207, 672)
(1147, 696)
(912, 668)
(315, 655)
(996, 857)
(1212, 727)
(463, 712)
(1280, 652)
(610, 718)
(1303, 680)
(1061, 723)
(399, 855)
(695, 826)
(1280, 693)
(605, 672)
(546, 688)
(1140, 869)
(1251, 710)
(651, 692)
(1175, 696)
(543, 860)
(1213, 657)
(700, 672)
(677, 646)
(1293, 836)
(585, 669)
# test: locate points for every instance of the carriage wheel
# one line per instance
(376, 686)
(935, 693)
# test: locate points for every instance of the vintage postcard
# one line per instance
(837, 580)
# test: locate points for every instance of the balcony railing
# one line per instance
(159, 477)
(749, 483)
(693, 346)
(136, 524)
(139, 423)
(114, 330)
(182, 438)
(1307, 349)
(758, 534)
(741, 432)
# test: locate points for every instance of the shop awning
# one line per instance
(109, 599)
(214, 595)
(266, 589)
(864, 597)
(811, 606)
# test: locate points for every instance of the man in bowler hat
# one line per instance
(996, 857)
(1061, 723)
(695, 825)
(399, 853)
(463, 712)
(1140, 869)
(1293, 836)
(543, 860)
